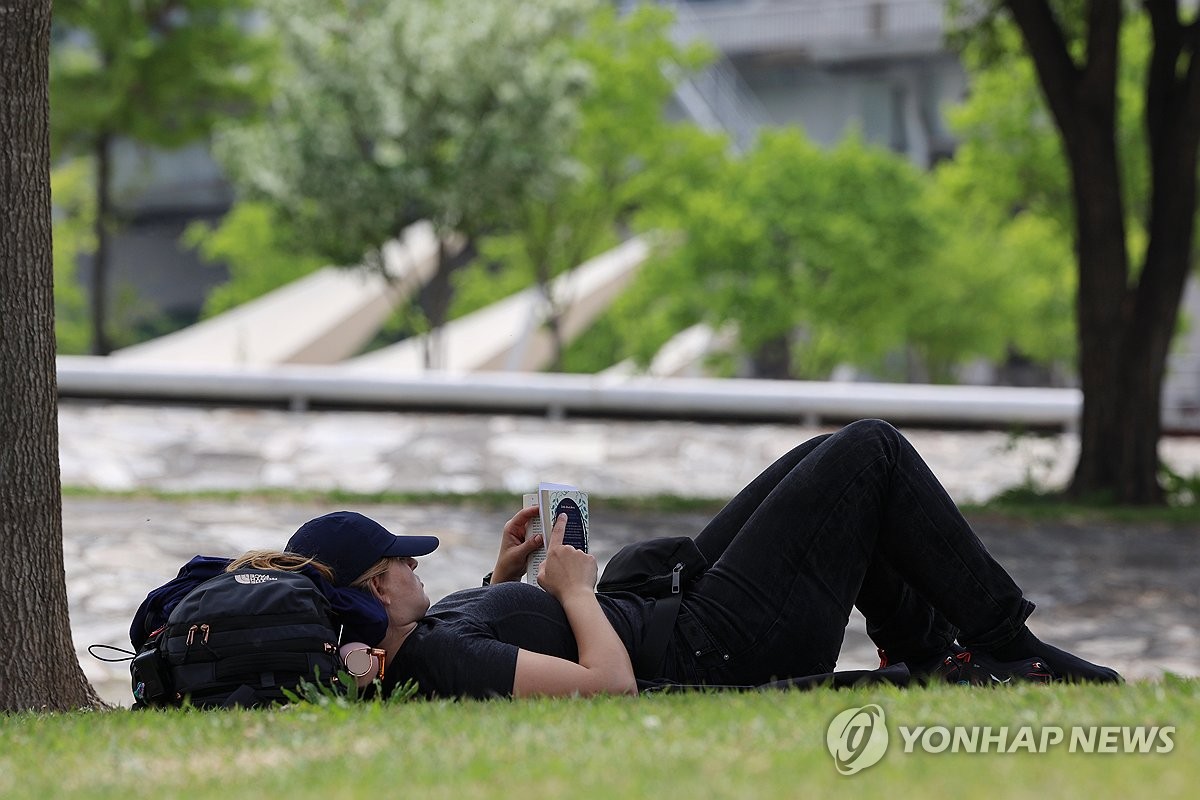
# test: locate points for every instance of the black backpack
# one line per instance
(239, 639)
(660, 567)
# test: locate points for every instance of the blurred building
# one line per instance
(878, 66)
(154, 280)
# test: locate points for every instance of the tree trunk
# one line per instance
(1124, 327)
(1119, 453)
(434, 298)
(554, 317)
(773, 359)
(1121, 461)
(38, 669)
(1112, 419)
(100, 343)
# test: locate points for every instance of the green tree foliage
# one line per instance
(392, 111)
(1006, 199)
(157, 72)
(621, 160)
(73, 218)
(253, 243)
(1010, 272)
(816, 255)
(660, 301)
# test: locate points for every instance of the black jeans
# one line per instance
(851, 518)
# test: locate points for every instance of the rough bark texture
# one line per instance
(38, 668)
(1125, 326)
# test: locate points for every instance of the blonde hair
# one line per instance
(373, 571)
(278, 559)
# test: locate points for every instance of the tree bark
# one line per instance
(773, 360)
(38, 668)
(1125, 326)
(434, 297)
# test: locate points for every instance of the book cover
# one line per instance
(553, 499)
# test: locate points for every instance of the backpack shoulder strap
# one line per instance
(648, 663)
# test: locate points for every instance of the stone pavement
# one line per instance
(1123, 596)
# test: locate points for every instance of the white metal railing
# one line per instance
(301, 386)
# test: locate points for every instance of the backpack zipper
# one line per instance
(191, 635)
(675, 578)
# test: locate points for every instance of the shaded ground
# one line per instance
(177, 448)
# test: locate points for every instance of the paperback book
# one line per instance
(553, 499)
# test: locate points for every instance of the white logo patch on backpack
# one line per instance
(250, 578)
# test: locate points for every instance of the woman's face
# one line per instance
(402, 592)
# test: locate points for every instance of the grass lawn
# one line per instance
(1018, 504)
(681, 746)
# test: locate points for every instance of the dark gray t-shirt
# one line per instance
(466, 646)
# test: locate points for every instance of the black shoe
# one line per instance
(970, 668)
(926, 670)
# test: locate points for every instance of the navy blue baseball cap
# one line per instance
(349, 543)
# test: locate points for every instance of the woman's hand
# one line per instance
(603, 667)
(515, 548)
(566, 569)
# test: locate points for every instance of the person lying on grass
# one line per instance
(853, 518)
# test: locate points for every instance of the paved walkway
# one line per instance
(1130, 598)
(183, 448)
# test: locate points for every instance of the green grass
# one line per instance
(489, 500)
(684, 746)
(1033, 506)
(1015, 505)
(1081, 513)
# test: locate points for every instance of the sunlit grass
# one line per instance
(681, 746)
